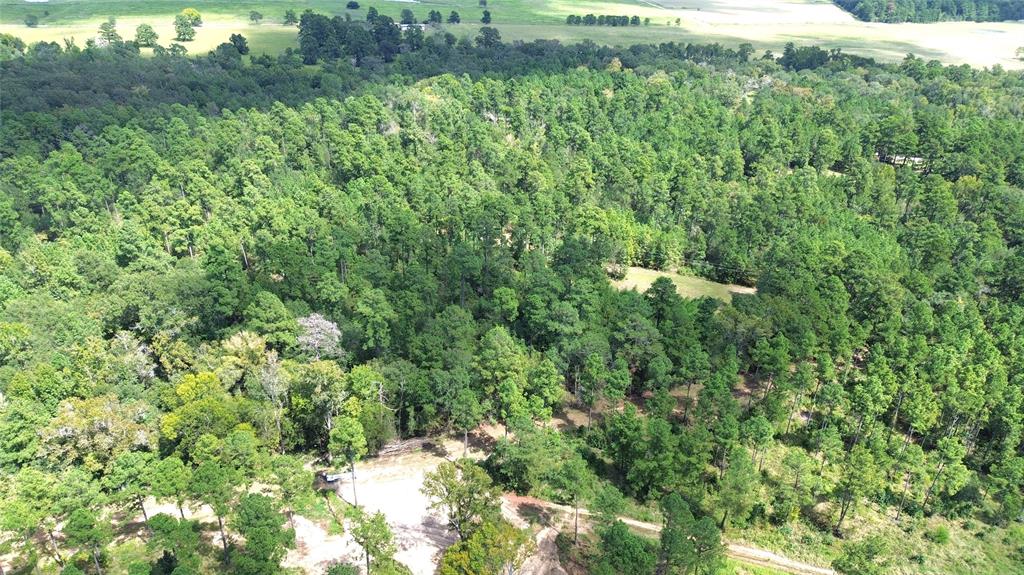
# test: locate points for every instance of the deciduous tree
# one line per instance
(464, 493)
(146, 36)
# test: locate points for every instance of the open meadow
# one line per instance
(687, 286)
(767, 24)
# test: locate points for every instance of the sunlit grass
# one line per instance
(687, 286)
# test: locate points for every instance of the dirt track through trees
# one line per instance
(740, 552)
(391, 485)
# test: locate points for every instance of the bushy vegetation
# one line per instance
(214, 271)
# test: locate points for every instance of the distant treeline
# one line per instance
(934, 10)
(602, 20)
(46, 76)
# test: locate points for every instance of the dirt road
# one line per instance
(744, 553)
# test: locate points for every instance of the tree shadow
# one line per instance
(436, 448)
(481, 441)
(535, 513)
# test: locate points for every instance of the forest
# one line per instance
(934, 10)
(222, 274)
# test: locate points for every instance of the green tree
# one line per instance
(800, 480)
(290, 19)
(84, 529)
(342, 569)
(193, 16)
(1008, 480)
(466, 413)
(624, 553)
(349, 441)
(707, 546)
(177, 538)
(243, 453)
(108, 31)
(488, 38)
(464, 493)
(294, 481)
(951, 451)
(129, 479)
(242, 45)
(676, 553)
(858, 478)
(375, 315)
(255, 17)
(92, 432)
(184, 30)
(862, 557)
(500, 366)
(169, 478)
(453, 18)
(911, 460)
(736, 491)
(258, 521)
(592, 381)
(608, 504)
(146, 36)
(28, 508)
(829, 444)
(486, 18)
(372, 533)
(572, 479)
(20, 423)
(687, 544)
(496, 547)
(199, 405)
(212, 484)
(759, 434)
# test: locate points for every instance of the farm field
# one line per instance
(767, 24)
(688, 286)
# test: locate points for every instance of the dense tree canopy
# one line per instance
(210, 268)
(933, 10)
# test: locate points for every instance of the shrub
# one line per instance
(938, 535)
(193, 16)
(342, 568)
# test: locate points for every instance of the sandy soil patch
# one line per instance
(391, 486)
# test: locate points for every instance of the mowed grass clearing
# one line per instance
(687, 286)
(767, 24)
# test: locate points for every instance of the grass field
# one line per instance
(688, 286)
(767, 24)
